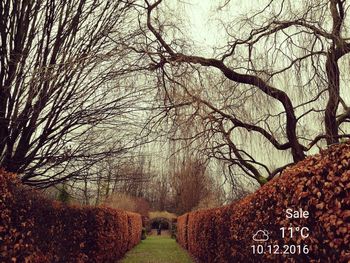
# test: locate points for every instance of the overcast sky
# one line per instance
(204, 19)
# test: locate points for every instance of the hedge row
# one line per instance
(135, 229)
(34, 229)
(182, 222)
(319, 184)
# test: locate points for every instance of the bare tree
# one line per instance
(193, 187)
(282, 71)
(62, 78)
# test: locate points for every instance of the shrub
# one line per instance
(34, 229)
(121, 201)
(319, 184)
(63, 195)
(173, 228)
(128, 203)
(144, 233)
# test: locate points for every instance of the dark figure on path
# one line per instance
(159, 230)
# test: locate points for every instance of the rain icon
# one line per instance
(261, 236)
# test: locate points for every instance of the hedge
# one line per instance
(35, 229)
(319, 184)
(134, 229)
(182, 222)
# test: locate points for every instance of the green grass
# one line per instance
(157, 249)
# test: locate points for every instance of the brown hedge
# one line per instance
(134, 229)
(182, 223)
(34, 229)
(319, 184)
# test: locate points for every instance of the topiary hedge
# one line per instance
(319, 184)
(34, 229)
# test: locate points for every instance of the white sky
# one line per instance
(204, 18)
(201, 19)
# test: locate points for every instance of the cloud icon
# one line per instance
(261, 236)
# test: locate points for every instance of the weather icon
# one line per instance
(261, 236)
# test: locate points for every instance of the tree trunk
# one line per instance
(330, 121)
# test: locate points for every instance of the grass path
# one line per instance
(157, 249)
